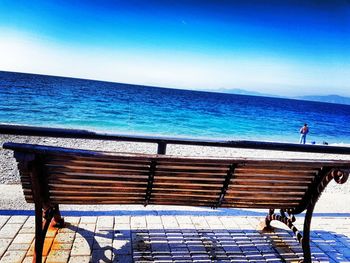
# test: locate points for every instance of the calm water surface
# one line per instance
(121, 108)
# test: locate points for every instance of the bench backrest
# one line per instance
(89, 177)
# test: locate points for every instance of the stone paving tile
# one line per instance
(58, 256)
(10, 230)
(4, 244)
(79, 259)
(73, 220)
(13, 256)
(29, 260)
(27, 230)
(82, 246)
(23, 238)
(19, 246)
(47, 246)
(17, 220)
(88, 220)
(122, 220)
(138, 222)
(105, 222)
(3, 220)
(61, 246)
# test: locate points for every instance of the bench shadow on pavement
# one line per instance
(214, 245)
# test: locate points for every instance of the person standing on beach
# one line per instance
(303, 131)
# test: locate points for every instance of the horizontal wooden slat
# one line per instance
(203, 170)
(182, 196)
(216, 176)
(102, 161)
(179, 203)
(260, 206)
(104, 157)
(109, 174)
(189, 202)
(27, 184)
(87, 198)
(294, 171)
(192, 164)
(262, 193)
(273, 177)
(184, 177)
(84, 187)
(77, 175)
(132, 190)
(106, 193)
(262, 202)
(273, 164)
(198, 187)
(29, 199)
(159, 172)
(174, 174)
(96, 202)
(97, 169)
(97, 181)
(268, 182)
(181, 183)
(247, 197)
(181, 162)
(276, 188)
(186, 190)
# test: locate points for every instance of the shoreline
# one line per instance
(108, 131)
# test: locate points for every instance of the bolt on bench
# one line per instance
(52, 175)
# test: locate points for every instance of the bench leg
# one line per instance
(58, 219)
(39, 236)
(266, 224)
(288, 221)
(305, 241)
(42, 222)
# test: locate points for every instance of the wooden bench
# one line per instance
(51, 176)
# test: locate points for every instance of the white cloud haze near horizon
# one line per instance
(21, 52)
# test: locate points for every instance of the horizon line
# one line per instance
(222, 91)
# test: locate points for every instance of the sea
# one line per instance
(48, 101)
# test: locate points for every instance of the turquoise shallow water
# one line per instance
(122, 108)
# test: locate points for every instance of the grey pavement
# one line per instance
(171, 234)
(172, 238)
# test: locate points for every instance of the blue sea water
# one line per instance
(130, 109)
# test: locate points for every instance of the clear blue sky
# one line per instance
(279, 47)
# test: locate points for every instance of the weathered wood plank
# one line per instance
(268, 187)
(260, 192)
(98, 181)
(274, 177)
(98, 168)
(117, 176)
(291, 171)
(111, 174)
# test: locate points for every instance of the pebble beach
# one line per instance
(9, 173)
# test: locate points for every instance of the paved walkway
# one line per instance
(171, 238)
